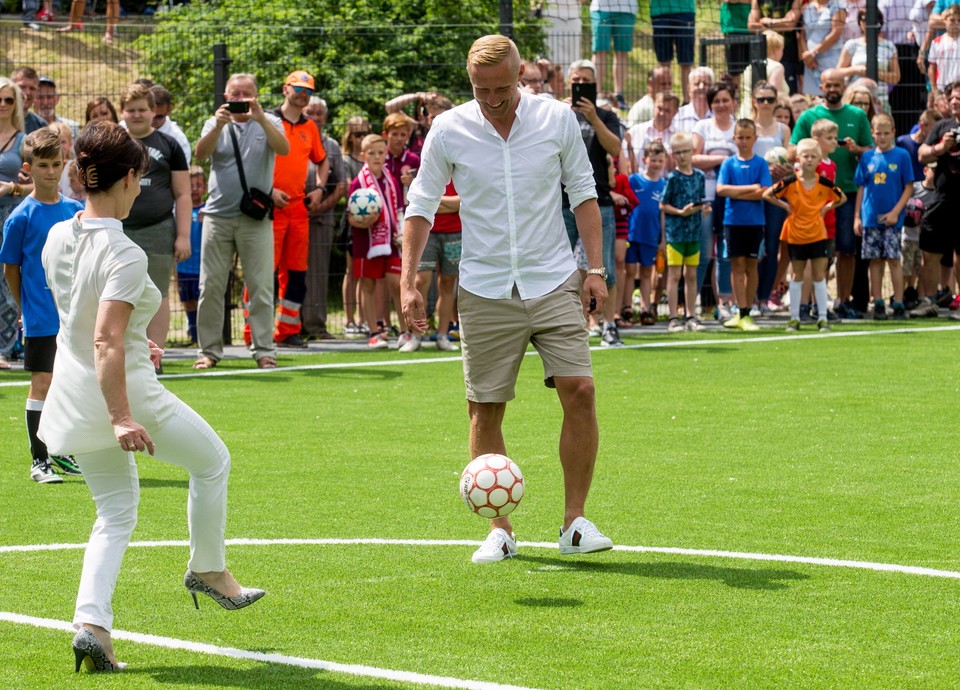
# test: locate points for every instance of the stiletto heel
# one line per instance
(197, 586)
(87, 648)
(195, 602)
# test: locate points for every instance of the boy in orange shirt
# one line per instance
(807, 197)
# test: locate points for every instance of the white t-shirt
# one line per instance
(88, 262)
(945, 53)
(716, 142)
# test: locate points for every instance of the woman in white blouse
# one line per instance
(105, 402)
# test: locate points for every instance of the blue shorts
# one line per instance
(671, 30)
(643, 254)
(612, 25)
(188, 285)
(881, 243)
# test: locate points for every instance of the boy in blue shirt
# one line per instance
(742, 180)
(644, 231)
(683, 207)
(885, 180)
(24, 234)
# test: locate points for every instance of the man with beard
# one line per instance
(853, 139)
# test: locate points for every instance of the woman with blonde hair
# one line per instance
(12, 192)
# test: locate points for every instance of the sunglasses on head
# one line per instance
(766, 99)
(303, 89)
(360, 134)
(8, 100)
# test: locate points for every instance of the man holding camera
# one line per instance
(938, 236)
(291, 222)
(259, 139)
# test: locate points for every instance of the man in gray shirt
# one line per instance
(226, 229)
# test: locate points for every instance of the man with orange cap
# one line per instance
(291, 222)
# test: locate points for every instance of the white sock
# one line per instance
(820, 294)
(796, 289)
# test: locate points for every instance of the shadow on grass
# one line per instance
(549, 602)
(260, 676)
(740, 578)
(360, 373)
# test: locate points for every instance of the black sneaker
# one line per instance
(292, 341)
(899, 311)
(926, 309)
(879, 311)
(66, 464)
(944, 298)
(42, 473)
(610, 337)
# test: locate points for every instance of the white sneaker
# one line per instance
(443, 343)
(582, 536)
(497, 546)
(42, 473)
(409, 344)
(594, 331)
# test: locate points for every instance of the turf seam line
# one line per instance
(272, 658)
(374, 541)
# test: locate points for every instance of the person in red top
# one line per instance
(402, 163)
(291, 222)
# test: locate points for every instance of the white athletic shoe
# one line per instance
(497, 546)
(444, 344)
(582, 536)
(412, 343)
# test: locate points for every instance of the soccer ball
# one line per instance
(365, 202)
(776, 156)
(491, 485)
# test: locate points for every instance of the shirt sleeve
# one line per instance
(13, 230)
(576, 173)
(859, 176)
(724, 176)
(178, 162)
(125, 275)
(423, 197)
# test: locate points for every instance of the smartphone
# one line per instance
(588, 91)
(238, 106)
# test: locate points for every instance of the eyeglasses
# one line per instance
(359, 133)
(8, 100)
(766, 99)
(303, 89)
(861, 104)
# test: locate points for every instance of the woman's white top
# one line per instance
(716, 142)
(88, 262)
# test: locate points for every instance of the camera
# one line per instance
(955, 131)
(238, 107)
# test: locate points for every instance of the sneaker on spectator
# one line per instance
(594, 331)
(955, 304)
(879, 311)
(674, 326)
(294, 341)
(823, 326)
(622, 102)
(409, 342)
(693, 325)
(899, 312)
(805, 315)
(497, 546)
(453, 330)
(848, 311)
(732, 322)
(793, 325)
(748, 324)
(66, 464)
(378, 341)
(944, 298)
(611, 337)
(955, 316)
(832, 316)
(756, 310)
(582, 536)
(42, 473)
(926, 309)
(444, 343)
(723, 313)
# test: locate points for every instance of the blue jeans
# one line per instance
(608, 242)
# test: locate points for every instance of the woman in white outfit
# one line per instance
(105, 401)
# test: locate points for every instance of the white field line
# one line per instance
(234, 653)
(703, 553)
(534, 353)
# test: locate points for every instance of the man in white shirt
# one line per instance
(505, 151)
(659, 128)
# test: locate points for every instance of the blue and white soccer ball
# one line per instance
(365, 202)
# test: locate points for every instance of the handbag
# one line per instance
(255, 202)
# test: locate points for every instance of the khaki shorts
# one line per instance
(494, 334)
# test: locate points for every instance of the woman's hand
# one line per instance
(156, 354)
(132, 437)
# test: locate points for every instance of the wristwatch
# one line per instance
(602, 272)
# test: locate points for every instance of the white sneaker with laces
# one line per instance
(444, 344)
(42, 473)
(582, 536)
(497, 546)
(412, 343)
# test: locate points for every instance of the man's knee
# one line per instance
(576, 392)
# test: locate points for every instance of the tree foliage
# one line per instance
(361, 53)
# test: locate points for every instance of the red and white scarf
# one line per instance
(383, 231)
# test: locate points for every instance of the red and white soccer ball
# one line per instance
(491, 485)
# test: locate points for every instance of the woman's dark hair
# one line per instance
(105, 154)
(97, 102)
(862, 17)
(717, 88)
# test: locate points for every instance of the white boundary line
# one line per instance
(234, 653)
(533, 353)
(707, 553)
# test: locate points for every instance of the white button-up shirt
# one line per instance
(513, 231)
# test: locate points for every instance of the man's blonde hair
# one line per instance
(492, 50)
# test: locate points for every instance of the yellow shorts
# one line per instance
(683, 253)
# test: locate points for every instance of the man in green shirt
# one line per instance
(673, 24)
(734, 15)
(853, 139)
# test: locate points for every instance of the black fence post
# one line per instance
(873, 29)
(221, 72)
(506, 18)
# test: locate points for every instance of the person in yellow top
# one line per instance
(807, 197)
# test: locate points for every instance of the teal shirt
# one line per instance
(660, 7)
(733, 17)
(852, 123)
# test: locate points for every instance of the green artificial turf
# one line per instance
(833, 447)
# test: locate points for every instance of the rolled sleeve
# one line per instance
(576, 171)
